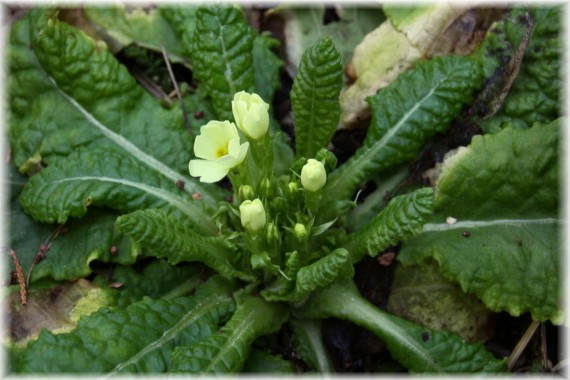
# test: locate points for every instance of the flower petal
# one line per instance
(208, 171)
(214, 136)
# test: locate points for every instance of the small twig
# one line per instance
(178, 94)
(521, 345)
(20, 276)
(546, 363)
(42, 252)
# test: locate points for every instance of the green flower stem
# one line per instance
(262, 159)
(312, 200)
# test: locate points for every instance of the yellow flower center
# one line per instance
(222, 151)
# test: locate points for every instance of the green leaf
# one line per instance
(140, 338)
(308, 342)
(314, 97)
(72, 247)
(222, 56)
(405, 115)
(535, 93)
(156, 280)
(324, 272)
(68, 92)
(106, 178)
(267, 67)
(182, 20)
(147, 28)
(404, 216)
(163, 236)
(506, 249)
(261, 362)
(226, 351)
(418, 348)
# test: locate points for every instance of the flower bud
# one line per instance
(246, 192)
(313, 175)
(300, 231)
(251, 114)
(265, 187)
(272, 232)
(252, 214)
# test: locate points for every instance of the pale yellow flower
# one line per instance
(218, 146)
(252, 215)
(251, 114)
(313, 175)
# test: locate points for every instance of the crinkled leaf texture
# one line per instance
(227, 349)
(405, 115)
(140, 338)
(164, 236)
(404, 216)
(535, 93)
(222, 55)
(106, 178)
(504, 192)
(85, 98)
(418, 348)
(314, 97)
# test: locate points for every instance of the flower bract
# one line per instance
(218, 147)
(251, 114)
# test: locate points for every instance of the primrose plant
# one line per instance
(280, 245)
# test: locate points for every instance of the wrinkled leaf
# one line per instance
(506, 250)
(105, 178)
(405, 115)
(314, 97)
(422, 295)
(227, 350)
(535, 93)
(140, 338)
(305, 26)
(156, 280)
(71, 247)
(418, 348)
(163, 236)
(222, 57)
(92, 103)
(120, 26)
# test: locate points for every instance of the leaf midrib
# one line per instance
(464, 224)
(195, 213)
(189, 318)
(190, 187)
(359, 161)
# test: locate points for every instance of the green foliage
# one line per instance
(165, 237)
(512, 176)
(535, 92)
(140, 338)
(405, 115)
(314, 97)
(222, 55)
(404, 216)
(110, 164)
(226, 351)
(418, 348)
(105, 178)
